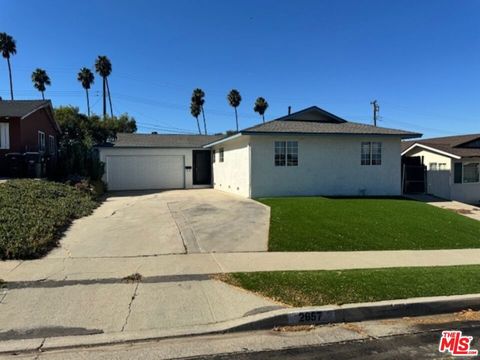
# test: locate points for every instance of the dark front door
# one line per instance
(202, 167)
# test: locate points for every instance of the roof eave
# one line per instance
(431, 148)
(403, 136)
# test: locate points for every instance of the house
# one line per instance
(309, 152)
(27, 127)
(157, 161)
(452, 165)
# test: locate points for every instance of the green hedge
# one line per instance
(34, 213)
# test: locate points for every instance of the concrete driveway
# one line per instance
(168, 222)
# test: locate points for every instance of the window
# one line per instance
(41, 141)
(214, 155)
(466, 173)
(433, 166)
(51, 144)
(220, 155)
(4, 136)
(470, 173)
(371, 153)
(286, 153)
(442, 166)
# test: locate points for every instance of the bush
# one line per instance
(34, 213)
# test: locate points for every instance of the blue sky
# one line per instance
(419, 59)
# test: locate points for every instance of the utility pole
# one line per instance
(376, 109)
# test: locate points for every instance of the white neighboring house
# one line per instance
(452, 163)
(310, 152)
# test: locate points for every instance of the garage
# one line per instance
(156, 161)
(145, 172)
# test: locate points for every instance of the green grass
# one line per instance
(33, 215)
(309, 288)
(350, 224)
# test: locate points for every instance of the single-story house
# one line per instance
(27, 129)
(452, 165)
(309, 152)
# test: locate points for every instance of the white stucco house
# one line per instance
(452, 165)
(309, 152)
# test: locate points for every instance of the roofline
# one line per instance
(147, 147)
(431, 149)
(311, 108)
(403, 136)
(231, 137)
(48, 106)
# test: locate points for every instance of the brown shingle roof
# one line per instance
(449, 144)
(163, 140)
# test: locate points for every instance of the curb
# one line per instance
(316, 315)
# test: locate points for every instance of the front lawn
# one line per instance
(350, 224)
(34, 213)
(310, 288)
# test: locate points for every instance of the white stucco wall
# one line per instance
(233, 174)
(467, 192)
(186, 153)
(430, 157)
(327, 165)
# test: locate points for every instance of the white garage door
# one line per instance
(144, 172)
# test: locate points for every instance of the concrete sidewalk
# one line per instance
(111, 269)
(473, 212)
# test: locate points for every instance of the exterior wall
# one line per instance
(233, 174)
(186, 153)
(469, 192)
(430, 157)
(38, 121)
(327, 165)
(15, 142)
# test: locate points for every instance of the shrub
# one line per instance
(34, 213)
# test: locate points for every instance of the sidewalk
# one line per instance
(116, 268)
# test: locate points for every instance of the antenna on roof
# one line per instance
(289, 110)
(376, 109)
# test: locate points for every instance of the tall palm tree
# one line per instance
(195, 111)
(86, 78)
(234, 98)
(103, 67)
(40, 79)
(8, 48)
(261, 105)
(198, 98)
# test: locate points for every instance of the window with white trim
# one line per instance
(371, 153)
(51, 144)
(286, 153)
(214, 155)
(220, 155)
(41, 141)
(4, 136)
(433, 166)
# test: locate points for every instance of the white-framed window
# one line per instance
(220, 155)
(371, 153)
(4, 136)
(41, 141)
(51, 144)
(286, 153)
(214, 155)
(433, 166)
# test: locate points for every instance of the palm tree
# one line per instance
(195, 111)
(8, 48)
(40, 79)
(86, 78)
(198, 98)
(260, 107)
(234, 98)
(103, 67)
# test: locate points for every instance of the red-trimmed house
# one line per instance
(28, 130)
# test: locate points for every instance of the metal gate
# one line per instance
(414, 175)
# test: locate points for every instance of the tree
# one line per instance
(198, 99)
(103, 67)
(40, 79)
(86, 78)
(195, 111)
(8, 48)
(260, 107)
(234, 100)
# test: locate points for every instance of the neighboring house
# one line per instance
(452, 164)
(28, 126)
(310, 152)
(157, 161)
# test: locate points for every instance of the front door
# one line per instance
(202, 167)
